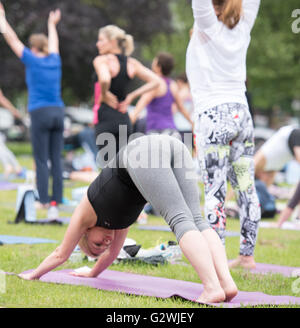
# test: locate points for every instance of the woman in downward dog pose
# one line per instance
(216, 69)
(157, 169)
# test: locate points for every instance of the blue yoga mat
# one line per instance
(24, 240)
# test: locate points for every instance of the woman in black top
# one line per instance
(115, 70)
(158, 169)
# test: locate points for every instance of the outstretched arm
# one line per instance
(204, 14)
(250, 8)
(53, 41)
(107, 258)
(8, 105)
(83, 218)
(10, 36)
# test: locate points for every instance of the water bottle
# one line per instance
(53, 211)
(76, 255)
(29, 206)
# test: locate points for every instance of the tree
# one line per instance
(78, 33)
(273, 62)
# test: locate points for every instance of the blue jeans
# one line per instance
(47, 126)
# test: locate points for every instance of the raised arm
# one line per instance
(204, 14)
(250, 8)
(83, 218)
(4, 102)
(53, 40)
(10, 36)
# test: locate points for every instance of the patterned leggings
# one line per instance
(225, 146)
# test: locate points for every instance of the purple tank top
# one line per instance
(159, 112)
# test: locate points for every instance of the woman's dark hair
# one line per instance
(166, 62)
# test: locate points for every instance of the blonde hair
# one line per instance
(230, 11)
(125, 41)
(84, 247)
(40, 42)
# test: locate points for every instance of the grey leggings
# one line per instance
(163, 171)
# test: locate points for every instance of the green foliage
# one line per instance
(273, 62)
(274, 56)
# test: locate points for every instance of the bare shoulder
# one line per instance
(100, 60)
(133, 61)
(174, 87)
(133, 65)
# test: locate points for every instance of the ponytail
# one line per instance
(230, 11)
(126, 44)
(125, 41)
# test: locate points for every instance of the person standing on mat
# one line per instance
(160, 100)
(115, 70)
(216, 70)
(158, 169)
(46, 108)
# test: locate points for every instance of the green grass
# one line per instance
(273, 246)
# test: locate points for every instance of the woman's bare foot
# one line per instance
(230, 289)
(246, 262)
(213, 296)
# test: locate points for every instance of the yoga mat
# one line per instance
(272, 268)
(286, 271)
(285, 226)
(160, 287)
(5, 185)
(48, 221)
(167, 228)
(24, 240)
(58, 221)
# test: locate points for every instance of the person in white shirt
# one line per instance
(216, 70)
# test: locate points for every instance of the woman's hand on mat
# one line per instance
(81, 274)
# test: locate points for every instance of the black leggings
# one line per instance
(47, 126)
(112, 133)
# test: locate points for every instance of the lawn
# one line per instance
(274, 246)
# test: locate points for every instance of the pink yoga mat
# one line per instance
(160, 287)
(6, 185)
(276, 269)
